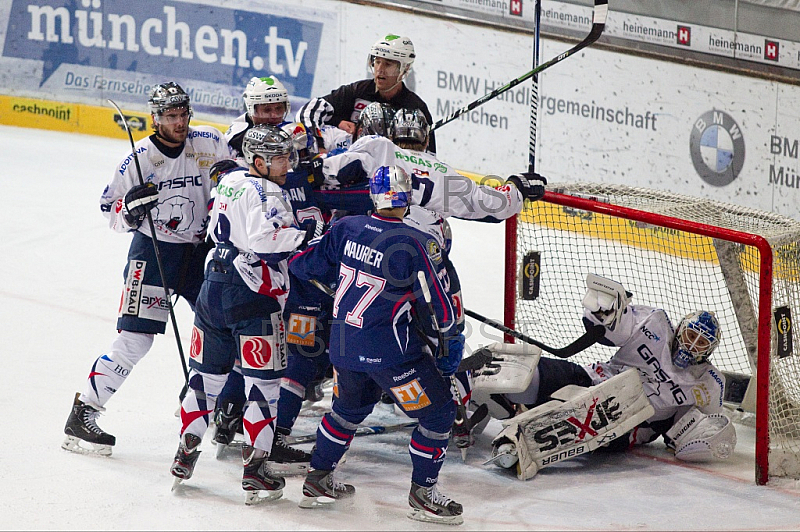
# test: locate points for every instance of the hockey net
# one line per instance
(681, 254)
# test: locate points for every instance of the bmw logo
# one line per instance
(717, 148)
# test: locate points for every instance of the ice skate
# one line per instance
(258, 482)
(185, 458)
(228, 423)
(430, 506)
(83, 434)
(286, 460)
(321, 489)
(314, 392)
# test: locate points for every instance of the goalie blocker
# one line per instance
(576, 421)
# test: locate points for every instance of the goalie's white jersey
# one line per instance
(437, 186)
(254, 215)
(184, 188)
(644, 336)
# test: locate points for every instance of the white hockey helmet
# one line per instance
(395, 48)
(390, 187)
(696, 337)
(265, 90)
(266, 142)
(410, 125)
(166, 96)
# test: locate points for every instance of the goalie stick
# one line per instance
(599, 15)
(159, 260)
(589, 338)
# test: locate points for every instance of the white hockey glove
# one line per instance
(697, 437)
(605, 300)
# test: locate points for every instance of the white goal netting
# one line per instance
(681, 254)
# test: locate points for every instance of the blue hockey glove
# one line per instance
(138, 202)
(530, 185)
(449, 361)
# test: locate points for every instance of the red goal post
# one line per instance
(682, 254)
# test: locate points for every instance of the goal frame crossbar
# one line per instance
(764, 299)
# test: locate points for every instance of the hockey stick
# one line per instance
(461, 418)
(158, 253)
(537, 15)
(598, 25)
(365, 430)
(589, 338)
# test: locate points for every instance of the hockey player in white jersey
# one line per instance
(175, 162)
(683, 389)
(438, 187)
(239, 309)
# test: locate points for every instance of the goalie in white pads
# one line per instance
(682, 388)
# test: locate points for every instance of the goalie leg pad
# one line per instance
(697, 437)
(578, 421)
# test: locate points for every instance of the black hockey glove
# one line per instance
(530, 185)
(476, 361)
(313, 165)
(314, 229)
(219, 168)
(138, 202)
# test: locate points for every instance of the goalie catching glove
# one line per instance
(530, 185)
(605, 300)
(139, 200)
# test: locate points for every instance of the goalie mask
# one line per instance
(390, 187)
(267, 142)
(696, 338)
(264, 91)
(394, 48)
(410, 125)
(376, 119)
(165, 96)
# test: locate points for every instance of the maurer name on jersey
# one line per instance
(365, 254)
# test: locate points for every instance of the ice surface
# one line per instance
(60, 284)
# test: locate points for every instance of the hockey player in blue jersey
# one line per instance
(380, 321)
(239, 310)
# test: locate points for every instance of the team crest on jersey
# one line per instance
(196, 346)
(434, 251)
(301, 330)
(702, 396)
(175, 214)
(410, 396)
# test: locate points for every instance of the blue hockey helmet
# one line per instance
(390, 187)
(696, 338)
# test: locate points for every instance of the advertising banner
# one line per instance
(89, 50)
(602, 116)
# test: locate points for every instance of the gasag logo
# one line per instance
(717, 148)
